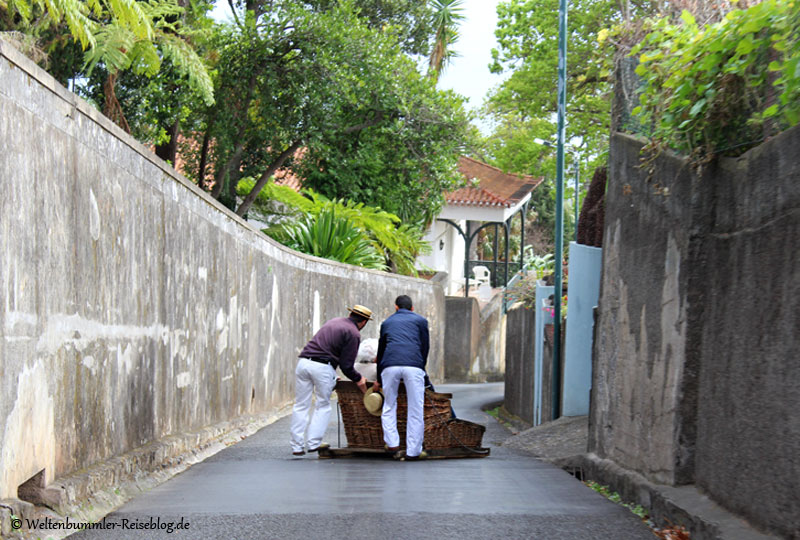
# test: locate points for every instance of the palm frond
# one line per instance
(383, 231)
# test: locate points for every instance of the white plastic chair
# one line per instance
(482, 276)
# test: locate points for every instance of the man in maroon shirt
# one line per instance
(334, 345)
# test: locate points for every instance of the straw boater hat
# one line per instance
(373, 401)
(361, 310)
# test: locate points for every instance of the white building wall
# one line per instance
(447, 253)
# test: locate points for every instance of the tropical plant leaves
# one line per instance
(136, 35)
(399, 243)
(331, 236)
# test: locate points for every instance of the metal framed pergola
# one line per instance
(469, 236)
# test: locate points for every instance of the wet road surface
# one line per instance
(257, 489)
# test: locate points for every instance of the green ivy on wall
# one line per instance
(723, 88)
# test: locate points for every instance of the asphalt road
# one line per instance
(257, 490)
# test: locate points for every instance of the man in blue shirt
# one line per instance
(334, 345)
(402, 355)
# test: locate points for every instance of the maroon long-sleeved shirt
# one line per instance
(337, 341)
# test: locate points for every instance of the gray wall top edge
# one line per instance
(768, 144)
(765, 145)
(630, 139)
(25, 64)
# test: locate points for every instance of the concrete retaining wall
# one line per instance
(462, 337)
(748, 427)
(696, 377)
(519, 380)
(490, 364)
(133, 306)
(474, 340)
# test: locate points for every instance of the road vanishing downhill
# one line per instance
(256, 489)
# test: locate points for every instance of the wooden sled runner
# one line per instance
(445, 437)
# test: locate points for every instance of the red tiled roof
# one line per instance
(495, 188)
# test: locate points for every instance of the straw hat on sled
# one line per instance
(373, 401)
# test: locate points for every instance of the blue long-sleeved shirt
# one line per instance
(404, 341)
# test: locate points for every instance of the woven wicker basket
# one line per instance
(454, 433)
(363, 430)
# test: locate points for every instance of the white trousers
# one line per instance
(414, 380)
(319, 379)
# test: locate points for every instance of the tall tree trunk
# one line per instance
(111, 106)
(169, 150)
(262, 181)
(235, 161)
(226, 171)
(201, 168)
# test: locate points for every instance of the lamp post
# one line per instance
(559, 236)
(577, 168)
(562, 109)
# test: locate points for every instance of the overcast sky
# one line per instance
(468, 74)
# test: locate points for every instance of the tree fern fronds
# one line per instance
(272, 193)
(95, 6)
(78, 22)
(287, 196)
(22, 7)
(129, 13)
(189, 64)
(158, 10)
(144, 58)
(111, 48)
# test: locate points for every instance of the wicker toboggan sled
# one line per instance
(445, 437)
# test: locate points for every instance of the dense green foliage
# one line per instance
(410, 20)
(524, 106)
(403, 163)
(399, 243)
(724, 87)
(371, 127)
